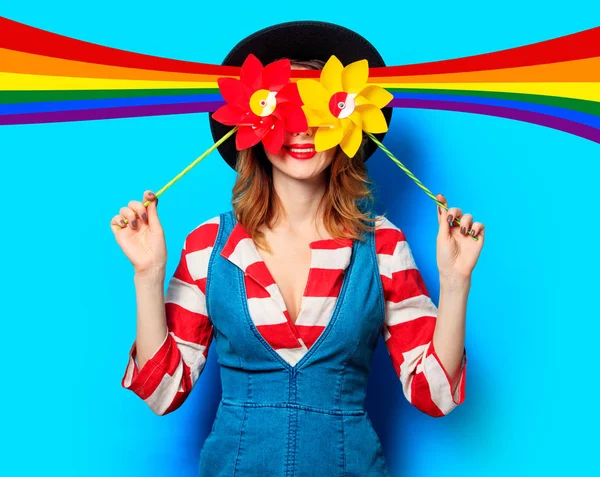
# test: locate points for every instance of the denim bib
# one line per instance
(305, 420)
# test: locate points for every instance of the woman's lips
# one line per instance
(301, 151)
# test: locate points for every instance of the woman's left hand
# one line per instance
(457, 251)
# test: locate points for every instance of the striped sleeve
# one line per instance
(167, 378)
(410, 317)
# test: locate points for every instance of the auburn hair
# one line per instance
(346, 203)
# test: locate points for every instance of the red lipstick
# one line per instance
(301, 151)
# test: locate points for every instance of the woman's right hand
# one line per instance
(142, 238)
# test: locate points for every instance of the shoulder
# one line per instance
(388, 236)
(203, 236)
(392, 249)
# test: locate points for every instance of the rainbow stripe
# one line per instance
(45, 77)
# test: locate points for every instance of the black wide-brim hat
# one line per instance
(300, 40)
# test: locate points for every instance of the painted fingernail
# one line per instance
(145, 217)
(134, 224)
(123, 223)
(151, 194)
(450, 218)
(463, 230)
(439, 210)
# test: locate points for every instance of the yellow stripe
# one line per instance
(15, 81)
(587, 91)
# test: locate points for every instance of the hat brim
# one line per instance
(300, 40)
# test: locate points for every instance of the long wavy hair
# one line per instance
(346, 203)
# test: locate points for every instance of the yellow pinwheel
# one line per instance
(342, 106)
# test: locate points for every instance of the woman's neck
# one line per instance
(300, 199)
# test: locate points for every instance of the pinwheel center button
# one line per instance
(342, 105)
(263, 102)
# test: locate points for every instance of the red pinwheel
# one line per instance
(263, 103)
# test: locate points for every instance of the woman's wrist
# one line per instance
(151, 276)
(454, 282)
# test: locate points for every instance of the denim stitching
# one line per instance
(302, 407)
(375, 263)
(217, 245)
(238, 453)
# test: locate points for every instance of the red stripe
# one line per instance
(237, 234)
(149, 377)
(421, 396)
(20, 37)
(201, 282)
(580, 45)
(178, 400)
(187, 325)
(404, 284)
(387, 239)
(462, 378)
(309, 334)
(331, 244)
(254, 289)
(182, 272)
(202, 237)
(279, 336)
(407, 336)
(324, 282)
(260, 273)
(132, 355)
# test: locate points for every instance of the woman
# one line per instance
(294, 286)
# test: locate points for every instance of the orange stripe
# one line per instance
(19, 62)
(567, 71)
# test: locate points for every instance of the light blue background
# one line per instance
(68, 307)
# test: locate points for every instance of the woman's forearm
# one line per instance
(449, 334)
(151, 323)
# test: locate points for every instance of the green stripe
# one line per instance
(12, 97)
(584, 106)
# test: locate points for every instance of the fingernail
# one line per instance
(145, 217)
(439, 210)
(463, 230)
(151, 195)
(134, 224)
(450, 218)
(123, 223)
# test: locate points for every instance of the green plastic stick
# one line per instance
(410, 174)
(187, 169)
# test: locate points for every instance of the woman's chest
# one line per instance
(289, 265)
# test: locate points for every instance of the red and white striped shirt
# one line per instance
(169, 375)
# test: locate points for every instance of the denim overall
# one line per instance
(306, 420)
